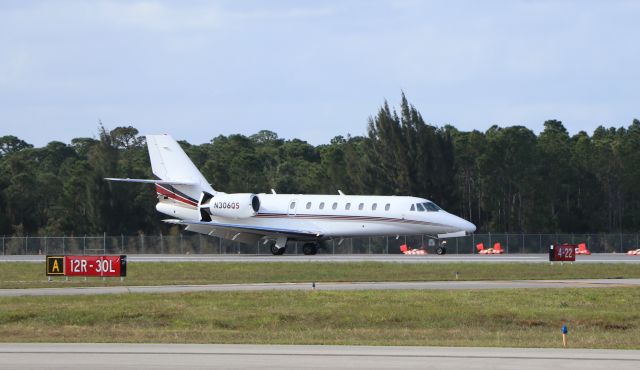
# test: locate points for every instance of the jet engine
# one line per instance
(240, 205)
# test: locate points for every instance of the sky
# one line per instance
(312, 69)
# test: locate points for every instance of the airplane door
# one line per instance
(291, 210)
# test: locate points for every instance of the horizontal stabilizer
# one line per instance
(147, 181)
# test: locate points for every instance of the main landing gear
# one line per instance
(277, 251)
(310, 248)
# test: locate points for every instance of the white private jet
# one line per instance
(185, 195)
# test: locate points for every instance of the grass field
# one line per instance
(597, 318)
(31, 275)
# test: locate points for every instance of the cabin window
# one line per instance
(308, 205)
(347, 206)
(292, 205)
(420, 207)
(361, 206)
(374, 206)
(322, 205)
(386, 208)
(334, 206)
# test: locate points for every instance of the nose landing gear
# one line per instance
(442, 249)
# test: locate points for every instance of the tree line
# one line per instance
(506, 179)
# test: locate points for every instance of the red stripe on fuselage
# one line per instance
(347, 218)
(170, 194)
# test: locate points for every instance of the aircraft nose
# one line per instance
(460, 224)
(464, 225)
(468, 226)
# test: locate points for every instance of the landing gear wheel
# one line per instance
(277, 251)
(309, 248)
(441, 250)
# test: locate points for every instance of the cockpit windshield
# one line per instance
(431, 207)
(426, 206)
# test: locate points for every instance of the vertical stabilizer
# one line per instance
(170, 163)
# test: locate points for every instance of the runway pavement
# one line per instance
(400, 258)
(426, 285)
(209, 356)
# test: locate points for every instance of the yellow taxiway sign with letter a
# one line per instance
(55, 265)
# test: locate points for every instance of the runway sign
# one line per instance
(562, 252)
(87, 265)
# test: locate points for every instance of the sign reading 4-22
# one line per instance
(562, 252)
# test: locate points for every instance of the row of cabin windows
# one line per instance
(347, 206)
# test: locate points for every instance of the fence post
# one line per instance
(104, 243)
(490, 245)
(45, 246)
(507, 243)
(161, 244)
(122, 243)
(84, 242)
(386, 245)
(369, 245)
(457, 245)
(620, 242)
(181, 251)
(3, 245)
(539, 242)
(473, 242)
(26, 241)
(63, 246)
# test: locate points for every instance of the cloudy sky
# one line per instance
(312, 69)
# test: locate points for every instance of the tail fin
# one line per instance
(172, 165)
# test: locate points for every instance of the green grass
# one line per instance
(597, 318)
(30, 275)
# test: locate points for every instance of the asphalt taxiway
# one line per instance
(399, 258)
(346, 286)
(230, 356)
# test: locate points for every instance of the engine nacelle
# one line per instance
(241, 205)
(176, 211)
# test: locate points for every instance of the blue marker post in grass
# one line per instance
(565, 332)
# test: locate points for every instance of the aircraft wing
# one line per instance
(260, 231)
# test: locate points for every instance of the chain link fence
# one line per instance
(190, 243)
